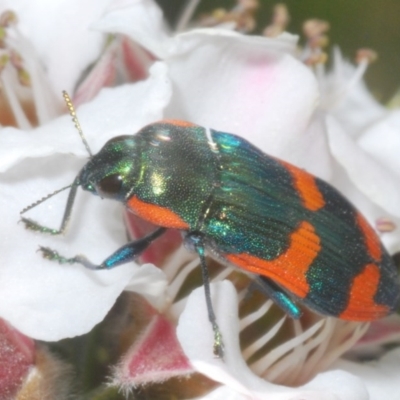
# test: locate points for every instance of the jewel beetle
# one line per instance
(305, 243)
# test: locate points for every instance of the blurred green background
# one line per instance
(354, 24)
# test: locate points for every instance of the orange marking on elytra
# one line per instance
(290, 268)
(371, 238)
(157, 215)
(178, 122)
(306, 187)
(361, 305)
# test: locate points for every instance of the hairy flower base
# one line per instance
(50, 378)
(155, 357)
(16, 357)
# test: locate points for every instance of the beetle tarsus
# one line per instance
(218, 348)
(53, 255)
(34, 226)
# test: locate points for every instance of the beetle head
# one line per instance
(112, 172)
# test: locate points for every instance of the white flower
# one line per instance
(45, 300)
(251, 86)
(60, 35)
(363, 141)
(238, 380)
(379, 376)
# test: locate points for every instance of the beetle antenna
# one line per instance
(72, 112)
(36, 203)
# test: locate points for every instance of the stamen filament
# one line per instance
(357, 77)
(263, 340)
(264, 364)
(249, 319)
(16, 108)
(186, 15)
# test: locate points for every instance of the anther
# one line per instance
(385, 225)
(315, 27)
(366, 55)
(8, 18)
(280, 20)
(4, 59)
(315, 59)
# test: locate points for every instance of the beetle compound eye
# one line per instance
(109, 186)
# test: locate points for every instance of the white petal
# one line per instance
(195, 335)
(251, 86)
(43, 299)
(117, 111)
(151, 282)
(141, 20)
(59, 31)
(342, 181)
(224, 392)
(336, 384)
(40, 298)
(357, 108)
(242, 84)
(380, 377)
(313, 152)
(379, 184)
(382, 141)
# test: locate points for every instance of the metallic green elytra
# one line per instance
(301, 238)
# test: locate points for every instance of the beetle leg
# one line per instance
(197, 241)
(123, 255)
(34, 226)
(279, 297)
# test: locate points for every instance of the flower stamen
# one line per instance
(186, 15)
(364, 58)
(385, 225)
(280, 21)
(24, 91)
(240, 18)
